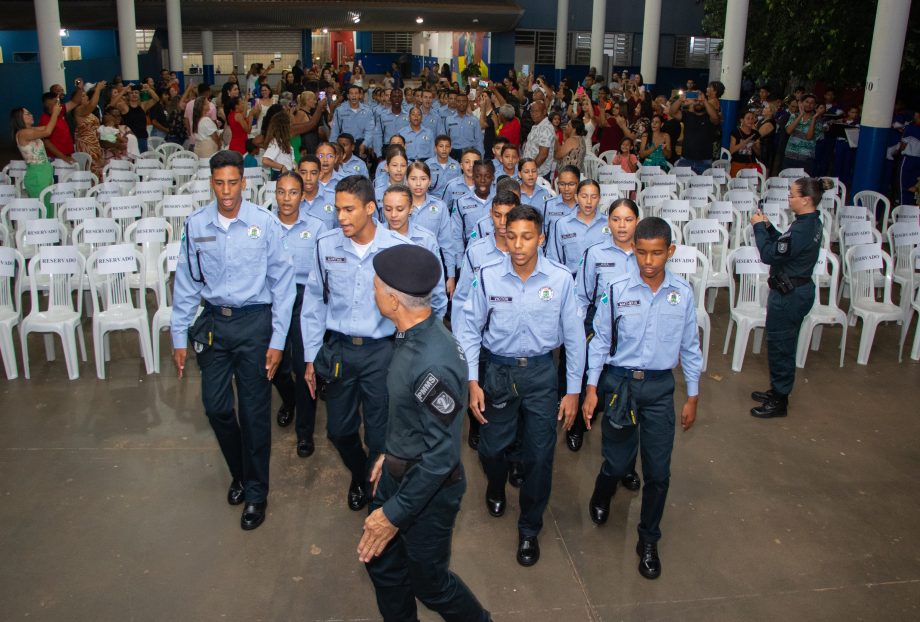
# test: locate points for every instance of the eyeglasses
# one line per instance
(568, 183)
(328, 156)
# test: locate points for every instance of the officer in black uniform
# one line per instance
(419, 481)
(792, 257)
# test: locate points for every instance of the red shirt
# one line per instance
(60, 136)
(512, 131)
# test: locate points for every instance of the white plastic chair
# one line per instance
(608, 156)
(863, 263)
(706, 181)
(104, 192)
(154, 141)
(93, 233)
(56, 194)
(267, 192)
(125, 179)
(175, 209)
(875, 202)
(167, 149)
(541, 181)
(903, 237)
(125, 211)
(748, 301)
(5, 239)
(76, 210)
(822, 314)
(907, 213)
(913, 308)
(84, 160)
(676, 211)
(152, 235)
(60, 316)
(793, 173)
(82, 180)
(144, 167)
(117, 165)
(699, 199)
(62, 168)
(710, 238)
(650, 198)
(166, 265)
(37, 233)
(692, 265)
(12, 271)
(113, 306)
(754, 178)
(17, 212)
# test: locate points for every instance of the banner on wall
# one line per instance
(471, 48)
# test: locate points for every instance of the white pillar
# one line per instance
(207, 55)
(127, 40)
(651, 33)
(598, 28)
(562, 36)
(881, 88)
(50, 51)
(736, 15)
(174, 34)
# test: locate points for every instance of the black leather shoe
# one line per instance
(495, 503)
(235, 492)
(473, 440)
(649, 564)
(253, 515)
(516, 474)
(775, 407)
(305, 448)
(357, 498)
(285, 416)
(574, 440)
(599, 505)
(528, 552)
(631, 481)
(763, 396)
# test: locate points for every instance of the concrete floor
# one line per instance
(113, 509)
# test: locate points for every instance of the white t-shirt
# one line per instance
(274, 153)
(206, 129)
(225, 222)
(361, 249)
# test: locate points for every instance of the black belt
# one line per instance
(398, 467)
(797, 281)
(519, 361)
(356, 341)
(637, 374)
(234, 311)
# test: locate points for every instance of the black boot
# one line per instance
(599, 506)
(763, 396)
(775, 407)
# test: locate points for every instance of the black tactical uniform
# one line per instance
(792, 257)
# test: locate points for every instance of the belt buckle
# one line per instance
(638, 374)
(521, 361)
(357, 341)
(226, 311)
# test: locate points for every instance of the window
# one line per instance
(542, 41)
(694, 52)
(72, 52)
(391, 42)
(618, 46)
(579, 49)
(144, 39)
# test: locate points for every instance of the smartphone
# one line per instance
(525, 70)
(580, 90)
(335, 97)
(322, 95)
(641, 88)
(483, 84)
(693, 94)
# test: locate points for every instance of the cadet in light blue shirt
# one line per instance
(397, 210)
(316, 202)
(443, 168)
(654, 315)
(431, 213)
(521, 309)
(565, 203)
(393, 120)
(463, 128)
(355, 119)
(532, 194)
(351, 164)
(469, 208)
(302, 232)
(571, 235)
(347, 343)
(395, 173)
(430, 116)
(419, 139)
(234, 258)
(327, 154)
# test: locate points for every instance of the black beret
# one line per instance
(408, 268)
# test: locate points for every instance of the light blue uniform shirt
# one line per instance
(247, 264)
(569, 237)
(484, 228)
(419, 143)
(656, 331)
(323, 207)
(301, 242)
(354, 166)
(441, 174)
(360, 123)
(602, 263)
(537, 200)
(433, 121)
(478, 253)
(527, 318)
(391, 124)
(553, 209)
(421, 236)
(350, 309)
(464, 131)
(454, 190)
(468, 210)
(434, 216)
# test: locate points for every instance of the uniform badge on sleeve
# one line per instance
(438, 399)
(546, 293)
(673, 298)
(606, 230)
(328, 208)
(433, 208)
(254, 232)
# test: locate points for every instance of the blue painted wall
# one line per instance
(682, 17)
(93, 43)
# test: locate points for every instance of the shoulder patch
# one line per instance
(438, 399)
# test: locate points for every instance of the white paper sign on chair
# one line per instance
(721, 211)
(704, 231)
(7, 193)
(115, 259)
(773, 209)
(152, 230)
(866, 257)
(202, 196)
(62, 192)
(42, 231)
(609, 194)
(59, 260)
(24, 209)
(125, 207)
(7, 262)
(676, 210)
(80, 208)
(702, 181)
(176, 207)
(253, 174)
(683, 261)
(906, 236)
(852, 213)
(184, 167)
(749, 262)
(172, 255)
(858, 232)
(821, 265)
(99, 231)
